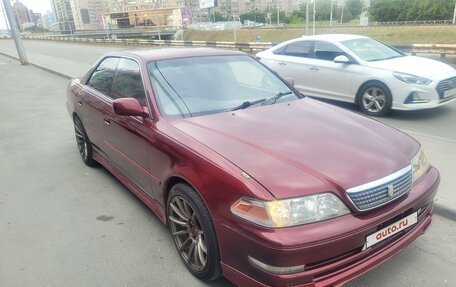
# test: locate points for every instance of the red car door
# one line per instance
(126, 135)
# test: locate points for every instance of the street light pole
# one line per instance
(15, 32)
(307, 17)
(454, 14)
(314, 12)
(234, 28)
(331, 16)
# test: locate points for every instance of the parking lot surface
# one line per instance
(65, 224)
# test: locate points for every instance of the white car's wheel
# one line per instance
(374, 99)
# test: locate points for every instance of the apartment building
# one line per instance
(64, 16)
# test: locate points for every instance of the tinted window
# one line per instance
(327, 51)
(206, 85)
(102, 76)
(299, 49)
(127, 82)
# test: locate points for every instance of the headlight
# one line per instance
(411, 79)
(290, 212)
(420, 165)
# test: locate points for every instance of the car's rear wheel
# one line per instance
(193, 232)
(374, 99)
(83, 143)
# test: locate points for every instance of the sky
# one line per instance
(38, 6)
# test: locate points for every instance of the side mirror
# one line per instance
(342, 60)
(129, 107)
(290, 82)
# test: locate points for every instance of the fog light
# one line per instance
(414, 98)
(275, 269)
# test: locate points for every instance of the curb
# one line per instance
(40, 67)
(439, 209)
(444, 211)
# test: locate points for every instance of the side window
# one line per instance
(327, 51)
(127, 82)
(299, 49)
(101, 78)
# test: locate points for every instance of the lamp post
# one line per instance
(331, 16)
(234, 28)
(15, 32)
(454, 14)
(314, 12)
(307, 17)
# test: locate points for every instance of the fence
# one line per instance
(440, 49)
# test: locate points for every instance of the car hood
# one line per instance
(304, 146)
(418, 66)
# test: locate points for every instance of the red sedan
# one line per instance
(256, 182)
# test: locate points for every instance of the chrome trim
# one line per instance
(380, 181)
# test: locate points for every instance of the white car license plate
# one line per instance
(392, 229)
(449, 93)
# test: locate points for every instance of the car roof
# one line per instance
(148, 55)
(334, 37)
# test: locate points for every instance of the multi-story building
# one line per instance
(64, 16)
(87, 14)
(23, 15)
(49, 20)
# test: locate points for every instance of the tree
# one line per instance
(411, 10)
(354, 7)
(259, 17)
(219, 17)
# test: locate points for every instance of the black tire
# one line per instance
(196, 233)
(374, 99)
(84, 145)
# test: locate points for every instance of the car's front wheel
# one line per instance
(374, 99)
(193, 232)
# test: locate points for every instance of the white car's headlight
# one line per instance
(290, 212)
(411, 79)
(420, 165)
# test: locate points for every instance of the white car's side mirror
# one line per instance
(342, 59)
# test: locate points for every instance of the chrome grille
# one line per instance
(446, 85)
(381, 191)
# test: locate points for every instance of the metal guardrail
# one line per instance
(440, 49)
(247, 47)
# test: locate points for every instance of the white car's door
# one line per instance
(293, 62)
(329, 79)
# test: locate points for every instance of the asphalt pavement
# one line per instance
(65, 224)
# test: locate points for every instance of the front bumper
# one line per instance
(331, 250)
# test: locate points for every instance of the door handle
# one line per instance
(314, 69)
(80, 103)
(282, 63)
(107, 122)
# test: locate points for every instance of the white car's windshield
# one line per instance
(371, 50)
(207, 85)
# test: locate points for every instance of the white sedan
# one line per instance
(361, 70)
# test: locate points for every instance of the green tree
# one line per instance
(411, 10)
(219, 17)
(259, 17)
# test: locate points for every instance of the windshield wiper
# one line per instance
(274, 99)
(247, 104)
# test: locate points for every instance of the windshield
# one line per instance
(213, 84)
(371, 50)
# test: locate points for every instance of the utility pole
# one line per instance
(331, 16)
(342, 13)
(314, 12)
(15, 32)
(454, 14)
(307, 17)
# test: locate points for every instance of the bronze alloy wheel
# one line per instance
(83, 143)
(187, 233)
